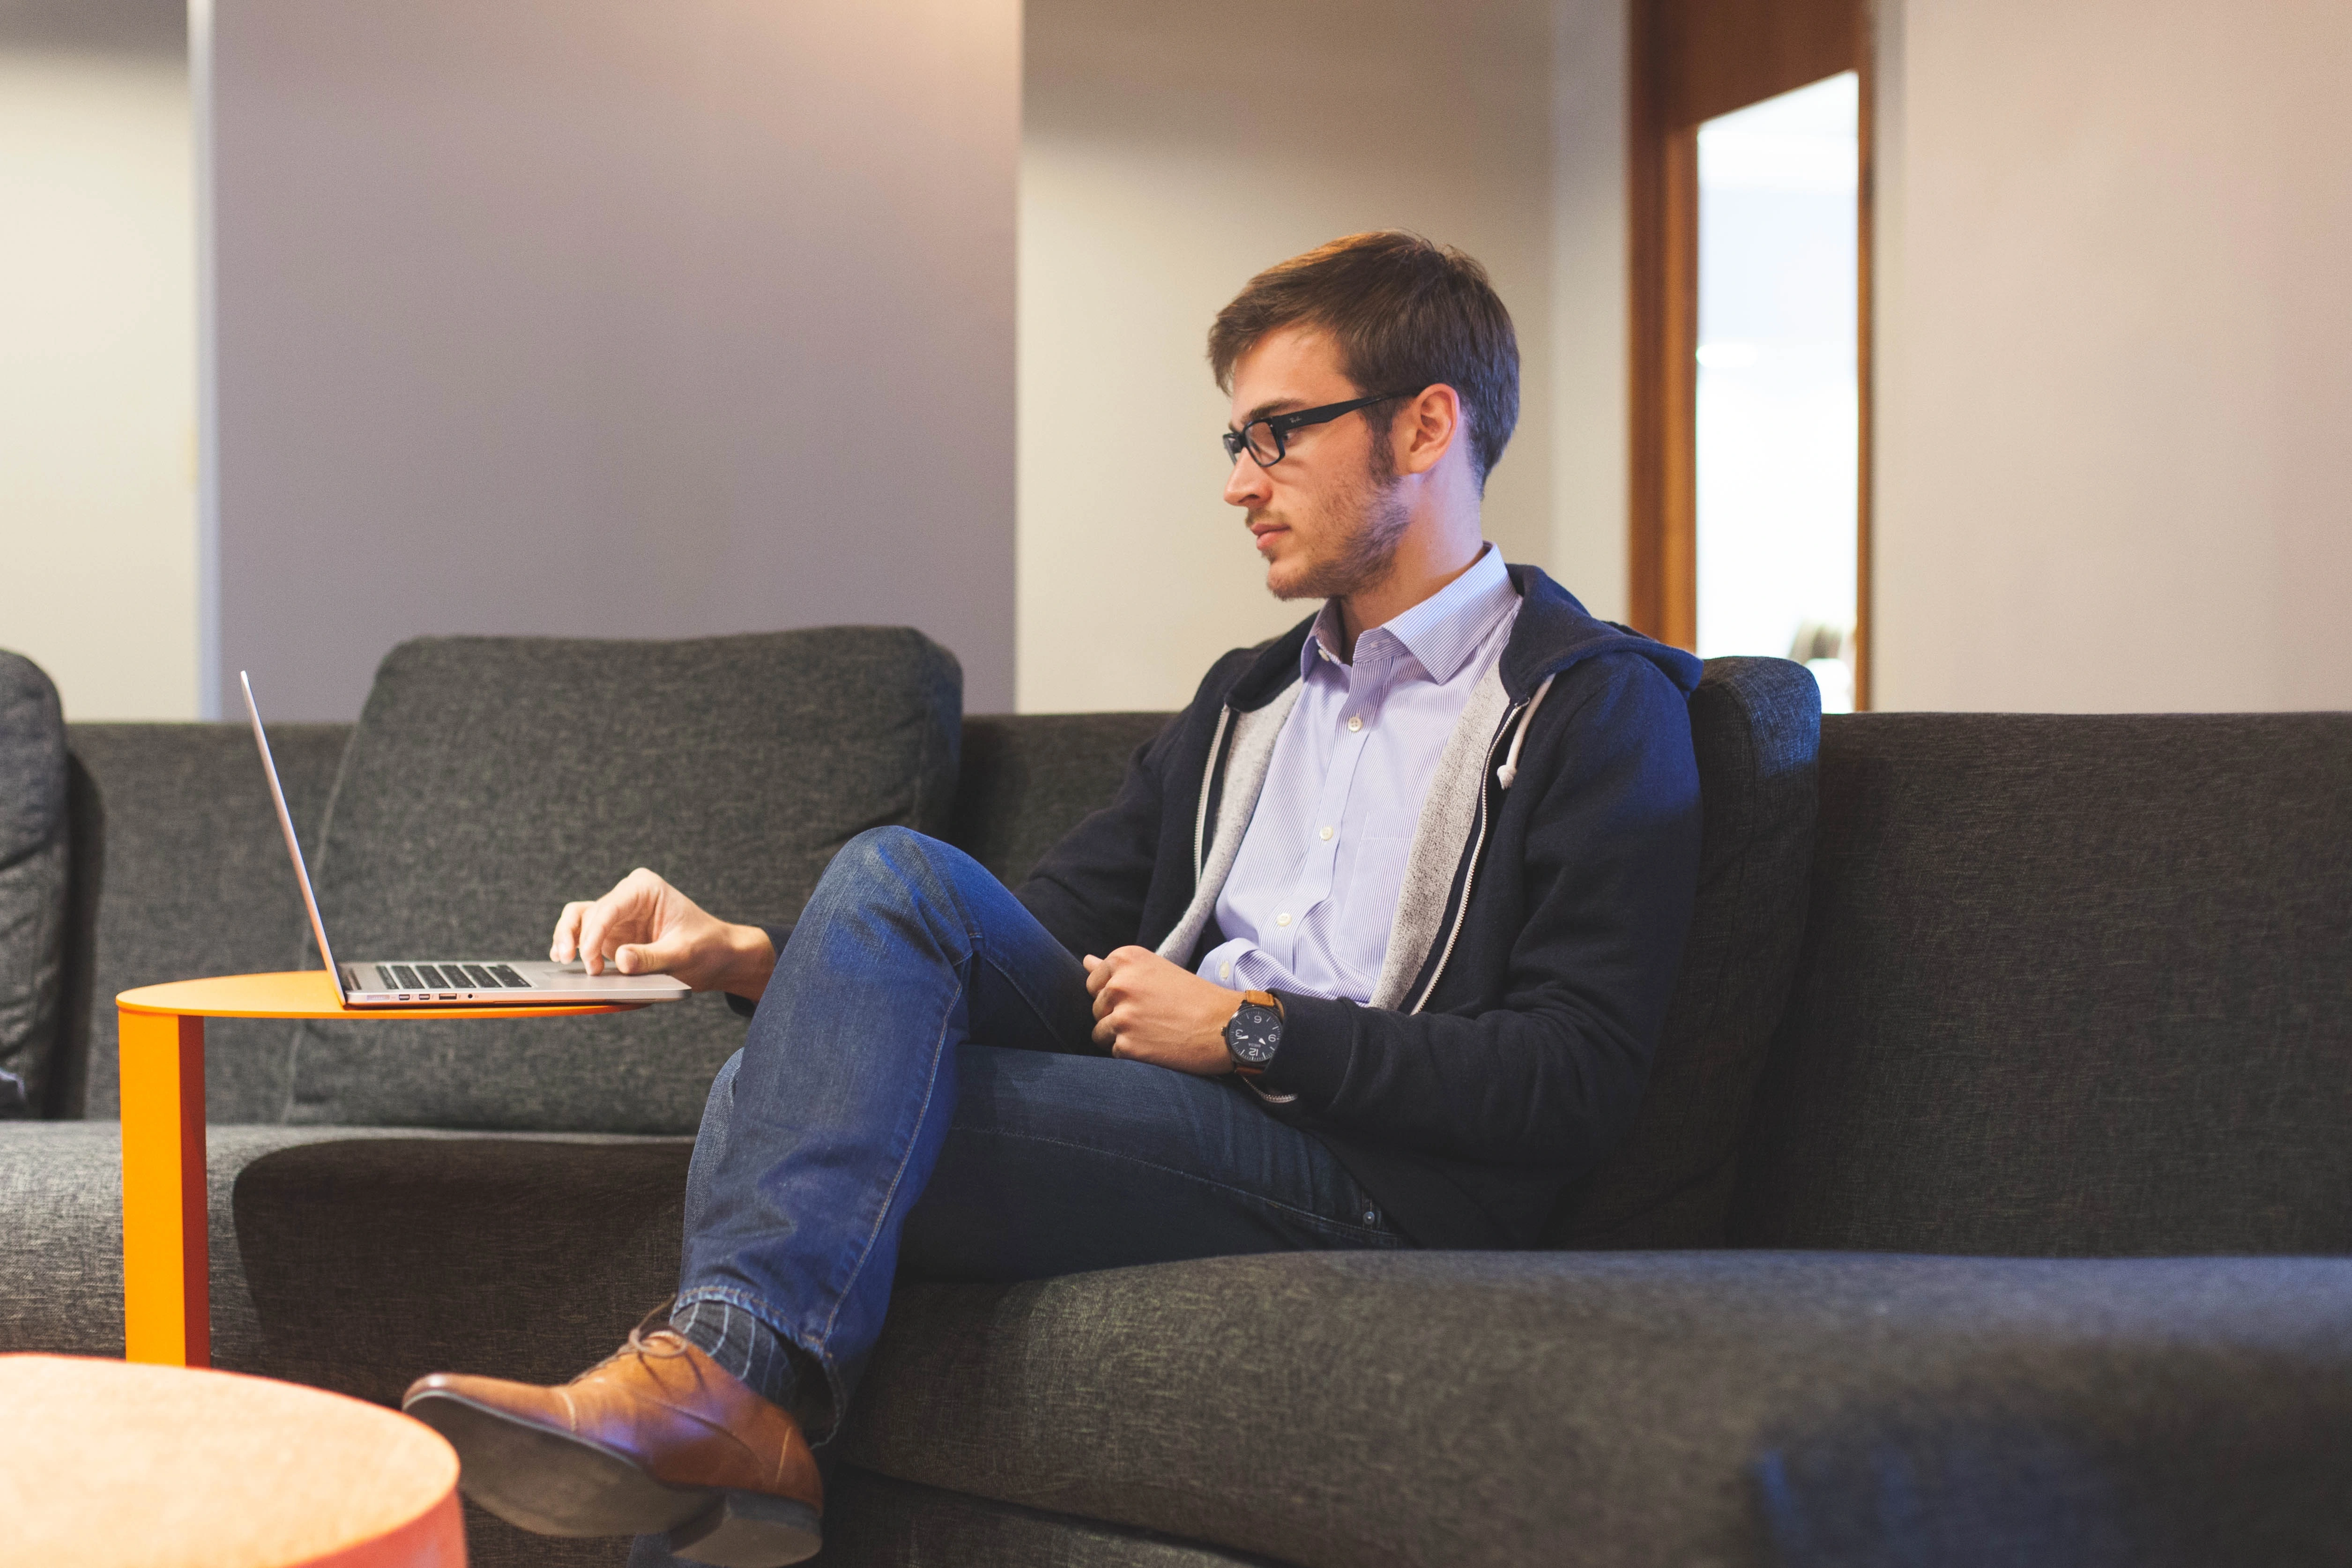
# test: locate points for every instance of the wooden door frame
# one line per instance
(1689, 61)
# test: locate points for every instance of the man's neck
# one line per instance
(1413, 576)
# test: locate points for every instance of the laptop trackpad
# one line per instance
(574, 977)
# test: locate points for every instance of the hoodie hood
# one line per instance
(1553, 632)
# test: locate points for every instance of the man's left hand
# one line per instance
(1150, 1010)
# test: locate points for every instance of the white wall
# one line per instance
(1171, 152)
(597, 318)
(98, 517)
(1590, 422)
(2115, 374)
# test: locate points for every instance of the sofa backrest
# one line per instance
(1028, 780)
(34, 837)
(1756, 729)
(179, 871)
(2071, 985)
(490, 780)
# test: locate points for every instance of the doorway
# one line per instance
(1750, 195)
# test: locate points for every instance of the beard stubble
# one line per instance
(1366, 525)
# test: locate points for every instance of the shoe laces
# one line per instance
(641, 1344)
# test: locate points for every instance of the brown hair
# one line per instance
(1407, 313)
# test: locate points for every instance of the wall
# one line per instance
(1591, 301)
(1169, 153)
(593, 317)
(2114, 351)
(565, 319)
(97, 332)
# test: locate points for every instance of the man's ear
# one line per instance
(1426, 428)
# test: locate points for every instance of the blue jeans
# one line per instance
(919, 1089)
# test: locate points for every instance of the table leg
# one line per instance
(166, 1253)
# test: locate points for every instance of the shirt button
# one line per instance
(1282, 920)
(1327, 834)
(1224, 971)
(1355, 722)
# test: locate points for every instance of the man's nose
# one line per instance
(1247, 485)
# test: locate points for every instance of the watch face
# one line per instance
(1254, 1033)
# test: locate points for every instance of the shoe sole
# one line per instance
(556, 1484)
(749, 1530)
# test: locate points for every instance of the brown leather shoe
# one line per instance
(657, 1438)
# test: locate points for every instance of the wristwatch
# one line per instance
(1254, 1033)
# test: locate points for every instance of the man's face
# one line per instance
(1327, 518)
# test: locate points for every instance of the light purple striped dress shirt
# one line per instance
(1307, 905)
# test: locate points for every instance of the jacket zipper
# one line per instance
(1208, 779)
(1477, 844)
(1469, 878)
(1199, 839)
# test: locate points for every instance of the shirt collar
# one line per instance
(1441, 632)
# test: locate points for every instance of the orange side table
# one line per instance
(105, 1465)
(167, 1248)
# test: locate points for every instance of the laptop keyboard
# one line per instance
(451, 977)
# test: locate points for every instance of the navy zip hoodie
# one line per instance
(1570, 902)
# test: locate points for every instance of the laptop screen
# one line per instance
(293, 843)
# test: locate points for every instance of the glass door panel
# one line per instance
(1778, 427)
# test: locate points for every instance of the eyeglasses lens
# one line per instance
(1260, 442)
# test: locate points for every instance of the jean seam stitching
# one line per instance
(1291, 1208)
(897, 1178)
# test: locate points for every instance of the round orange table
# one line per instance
(166, 1249)
(109, 1465)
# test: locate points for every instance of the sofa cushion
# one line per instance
(873, 1521)
(33, 850)
(1028, 778)
(491, 779)
(61, 1233)
(1507, 1408)
(180, 872)
(61, 1263)
(2072, 985)
(1755, 728)
(371, 1261)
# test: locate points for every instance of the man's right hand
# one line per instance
(646, 926)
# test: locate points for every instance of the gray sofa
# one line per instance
(1990, 1201)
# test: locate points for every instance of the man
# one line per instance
(1370, 951)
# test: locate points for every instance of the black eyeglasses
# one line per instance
(1267, 439)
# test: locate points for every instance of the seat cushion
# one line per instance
(1343, 1408)
(1755, 727)
(2073, 984)
(491, 779)
(33, 850)
(61, 1262)
(61, 1232)
(371, 1261)
(872, 1522)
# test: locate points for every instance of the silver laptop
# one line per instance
(441, 982)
